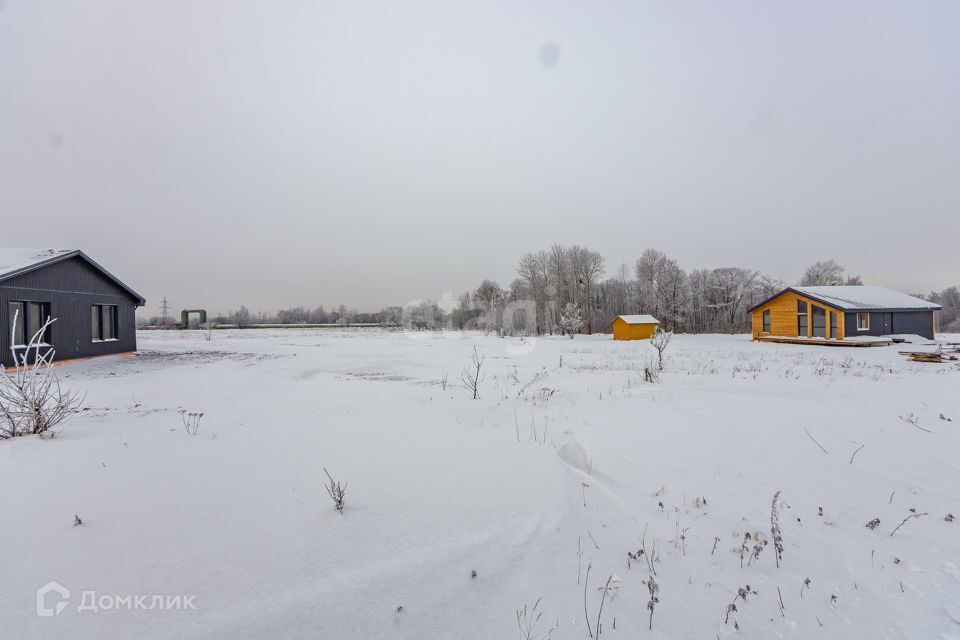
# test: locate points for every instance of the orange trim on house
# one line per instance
(57, 363)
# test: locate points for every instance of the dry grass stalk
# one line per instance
(336, 491)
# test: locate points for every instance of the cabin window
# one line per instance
(103, 322)
(819, 322)
(833, 325)
(26, 319)
(766, 321)
(863, 322)
(801, 318)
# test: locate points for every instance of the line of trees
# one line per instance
(341, 314)
(707, 300)
(703, 300)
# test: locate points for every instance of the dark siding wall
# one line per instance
(879, 324)
(890, 322)
(70, 287)
(918, 322)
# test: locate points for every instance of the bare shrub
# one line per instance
(654, 590)
(913, 514)
(742, 594)
(650, 372)
(611, 588)
(208, 328)
(31, 400)
(914, 421)
(527, 621)
(472, 375)
(336, 491)
(775, 531)
(660, 340)
(191, 421)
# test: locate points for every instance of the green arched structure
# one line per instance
(185, 317)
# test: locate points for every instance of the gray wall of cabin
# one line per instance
(883, 323)
(70, 287)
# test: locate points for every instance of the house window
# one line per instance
(766, 321)
(833, 325)
(819, 322)
(801, 318)
(26, 319)
(103, 322)
(863, 322)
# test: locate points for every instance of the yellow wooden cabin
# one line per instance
(841, 314)
(637, 327)
(791, 314)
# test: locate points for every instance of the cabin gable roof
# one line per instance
(15, 262)
(855, 298)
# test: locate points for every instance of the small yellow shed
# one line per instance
(639, 327)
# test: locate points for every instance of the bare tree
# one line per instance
(31, 400)
(558, 282)
(727, 288)
(242, 317)
(660, 340)
(534, 271)
(591, 268)
(487, 295)
(472, 375)
(664, 287)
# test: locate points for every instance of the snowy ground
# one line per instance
(441, 485)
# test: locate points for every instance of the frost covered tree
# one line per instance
(242, 317)
(491, 299)
(585, 267)
(949, 299)
(534, 272)
(570, 319)
(727, 289)
(823, 273)
(826, 273)
(660, 341)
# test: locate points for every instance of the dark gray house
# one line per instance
(94, 310)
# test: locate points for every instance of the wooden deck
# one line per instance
(879, 342)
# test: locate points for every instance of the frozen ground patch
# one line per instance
(459, 512)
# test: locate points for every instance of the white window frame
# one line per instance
(861, 326)
(116, 322)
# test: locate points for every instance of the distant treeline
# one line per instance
(699, 301)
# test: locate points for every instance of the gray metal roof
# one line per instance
(851, 298)
(15, 261)
(859, 298)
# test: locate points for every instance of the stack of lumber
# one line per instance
(928, 356)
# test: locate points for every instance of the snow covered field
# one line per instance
(555, 471)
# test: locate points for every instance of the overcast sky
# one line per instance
(370, 153)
